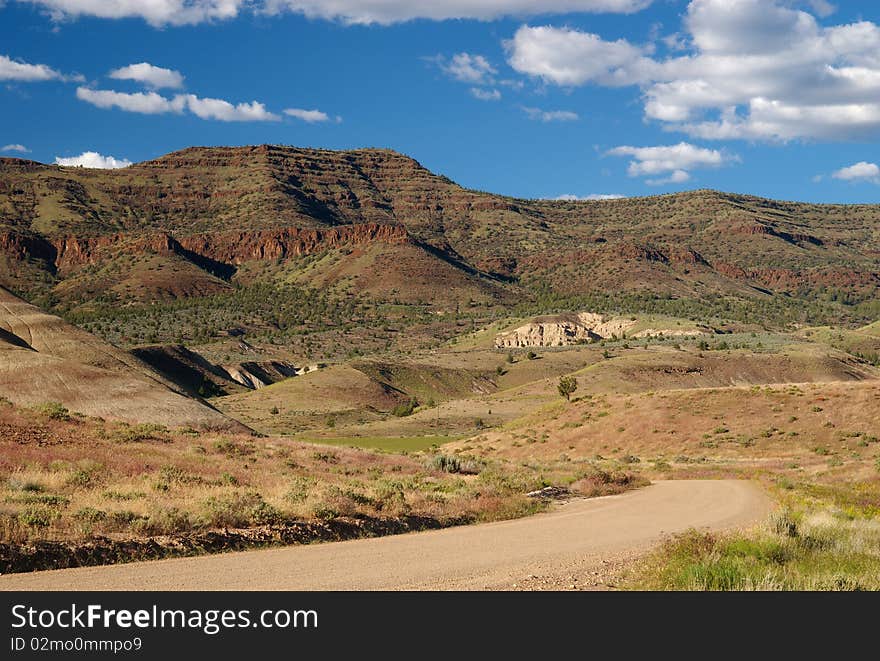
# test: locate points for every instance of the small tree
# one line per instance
(567, 386)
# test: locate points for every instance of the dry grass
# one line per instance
(813, 428)
(812, 545)
(75, 480)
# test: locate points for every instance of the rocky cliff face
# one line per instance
(555, 331)
(584, 327)
(70, 252)
(239, 247)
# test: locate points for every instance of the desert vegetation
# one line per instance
(391, 285)
(76, 490)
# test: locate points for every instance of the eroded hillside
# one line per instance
(214, 216)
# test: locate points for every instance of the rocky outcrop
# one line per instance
(22, 246)
(791, 280)
(256, 375)
(239, 247)
(553, 331)
(749, 227)
(223, 247)
(584, 327)
(72, 252)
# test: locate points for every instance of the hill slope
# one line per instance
(45, 359)
(211, 213)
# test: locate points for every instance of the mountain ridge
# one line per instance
(218, 208)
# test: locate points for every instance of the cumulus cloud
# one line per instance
(147, 103)
(92, 159)
(485, 94)
(467, 68)
(386, 12)
(568, 57)
(24, 72)
(152, 103)
(862, 171)
(155, 12)
(21, 149)
(670, 163)
(590, 198)
(822, 8)
(550, 115)
(475, 70)
(752, 69)
(226, 112)
(149, 75)
(310, 116)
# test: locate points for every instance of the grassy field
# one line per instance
(821, 539)
(400, 444)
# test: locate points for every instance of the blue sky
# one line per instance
(598, 97)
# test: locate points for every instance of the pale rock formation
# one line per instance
(567, 329)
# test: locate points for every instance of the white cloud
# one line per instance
(550, 115)
(22, 71)
(147, 103)
(227, 112)
(154, 12)
(569, 57)
(670, 163)
(16, 148)
(475, 70)
(485, 94)
(822, 8)
(386, 12)
(310, 116)
(92, 159)
(590, 198)
(751, 69)
(151, 103)
(467, 68)
(677, 177)
(862, 171)
(150, 75)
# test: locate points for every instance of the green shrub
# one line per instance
(451, 464)
(38, 517)
(239, 510)
(137, 433)
(53, 410)
(164, 522)
(567, 386)
(17, 484)
(89, 515)
(405, 409)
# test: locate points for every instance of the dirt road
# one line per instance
(564, 546)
